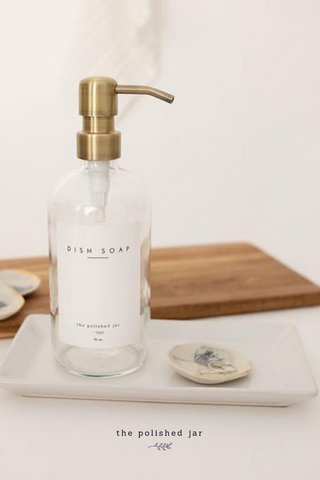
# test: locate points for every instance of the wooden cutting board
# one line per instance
(194, 282)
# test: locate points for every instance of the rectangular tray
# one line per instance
(280, 377)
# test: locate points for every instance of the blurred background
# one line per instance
(235, 158)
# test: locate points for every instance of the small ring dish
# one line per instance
(208, 363)
(21, 281)
(10, 302)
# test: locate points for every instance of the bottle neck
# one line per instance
(98, 177)
(99, 165)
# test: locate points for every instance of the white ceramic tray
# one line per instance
(280, 376)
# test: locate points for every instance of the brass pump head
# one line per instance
(98, 104)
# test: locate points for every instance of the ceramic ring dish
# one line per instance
(208, 363)
(14, 285)
(10, 302)
(21, 281)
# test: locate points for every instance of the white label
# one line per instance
(98, 284)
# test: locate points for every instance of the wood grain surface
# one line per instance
(195, 282)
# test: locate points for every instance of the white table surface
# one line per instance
(47, 439)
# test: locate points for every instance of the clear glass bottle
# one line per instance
(99, 237)
(99, 194)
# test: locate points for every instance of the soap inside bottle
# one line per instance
(103, 212)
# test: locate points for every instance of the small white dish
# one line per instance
(22, 281)
(208, 363)
(281, 375)
(10, 302)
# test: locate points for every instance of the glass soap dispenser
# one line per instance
(99, 242)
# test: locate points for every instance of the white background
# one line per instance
(235, 158)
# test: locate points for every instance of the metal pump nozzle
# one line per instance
(98, 104)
